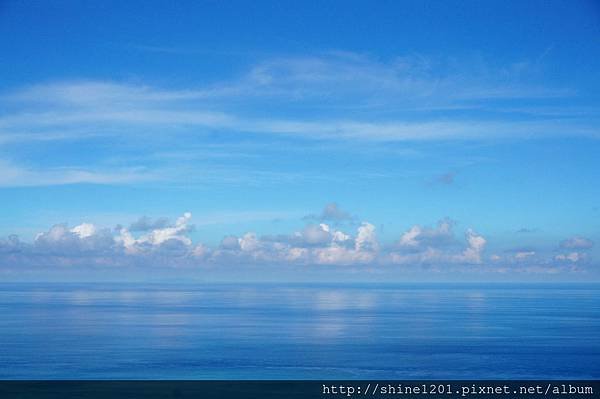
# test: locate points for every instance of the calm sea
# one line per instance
(128, 331)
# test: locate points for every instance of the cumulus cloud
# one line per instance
(230, 243)
(81, 239)
(342, 249)
(576, 242)
(476, 245)
(88, 245)
(11, 244)
(84, 230)
(170, 244)
(426, 245)
(160, 243)
(158, 236)
(572, 257)
(575, 250)
(145, 223)
(331, 213)
(314, 244)
(418, 237)
(315, 234)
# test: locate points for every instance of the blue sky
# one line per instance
(423, 136)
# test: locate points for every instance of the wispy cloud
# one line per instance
(18, 176)
(315, 82)
(333, 99)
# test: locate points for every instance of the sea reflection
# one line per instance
(270, 331)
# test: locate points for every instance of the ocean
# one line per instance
(299, 331)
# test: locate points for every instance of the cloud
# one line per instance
(525, 230)
(352, 98)
(576, 248)
(82, 240)
(89, 93)
(230, 243)
(169, 235)
(572, 257)
(401, 90)
(89, 245)
(132, 121)
(446, 178)
(524, 255)
(366, 238)
(170, 245)
(162, 244)
(437, 246)
(402, 79)
(472, 254)
(331, 213)
(12, 175)
(418, 237)
(145, 223)
(11, 245)
(521, 257)
(315, 234)
(334, 247)
(577, 242)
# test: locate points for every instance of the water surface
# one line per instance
(135, 331)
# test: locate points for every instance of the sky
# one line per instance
(350, 140)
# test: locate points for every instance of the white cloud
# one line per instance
(437, 245)
(84, 239)
(317, 244)
(336, 255)
(366, 239)
(577, 248)
(325, 82)
(337, 251)
(472, 253)
(418, 237)
(84, 230)
(249, 242)
(573, 257)
(12, 175)
(402, 79)
(158, 236)
(577, 242)
(89, 93)
(331, 213)
(524, 255)
(145, 223)
(405, 93)
(316, 234)
(230, 243)
(409, 239)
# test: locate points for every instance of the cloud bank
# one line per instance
(160, 243)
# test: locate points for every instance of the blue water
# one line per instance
(100, 331)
